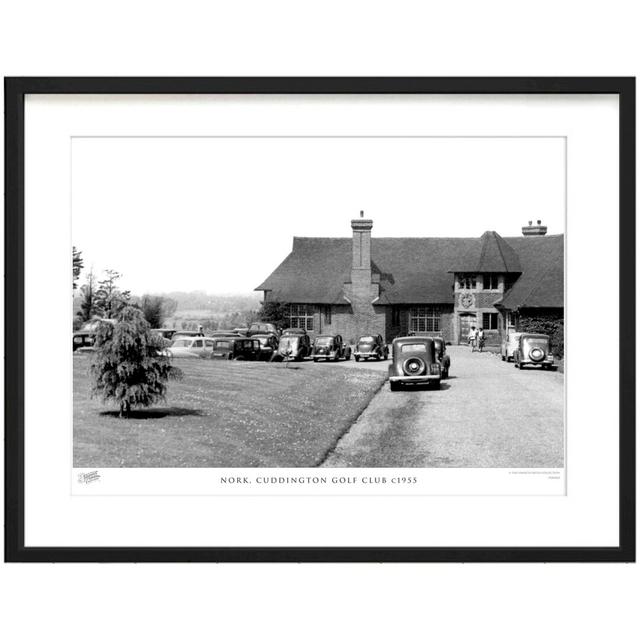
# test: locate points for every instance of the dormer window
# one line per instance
(490, 282)
(466, 281)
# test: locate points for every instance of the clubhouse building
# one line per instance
(439, 286)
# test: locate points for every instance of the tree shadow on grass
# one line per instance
(155, 413)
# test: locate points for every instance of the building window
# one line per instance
(327, 314)
(466, 281)
(489, 320)
(490, 281)
(301, 316)
(424, 319)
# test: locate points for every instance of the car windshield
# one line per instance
(222, 344)
(418, 347)
(323, 342)
(181, 343)
(366, 340)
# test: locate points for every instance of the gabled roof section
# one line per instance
(490, 254)
(542, 281)
(314, 272)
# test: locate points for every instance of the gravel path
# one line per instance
(488, 414)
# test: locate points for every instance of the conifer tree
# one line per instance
(78, 264)
(129, 367)
(88, 298)
(109, 298)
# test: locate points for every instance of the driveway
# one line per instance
(487, 414)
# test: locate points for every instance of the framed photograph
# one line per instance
(320, 319)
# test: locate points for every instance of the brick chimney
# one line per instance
(361, 293)
(537, 229)
(362, 244)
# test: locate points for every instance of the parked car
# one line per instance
(268, 345)
(293, 346)
(443, 356)
(294, 332)
(330, 347)
(191, 347)
(83, 341)
(235, 348)
(414, 361)
(185, 334)
(370, 347)
(509, 345)
(533, 349)
(262, 328)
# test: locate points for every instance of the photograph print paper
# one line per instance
(309, 302)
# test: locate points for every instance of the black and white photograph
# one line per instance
(318, 301)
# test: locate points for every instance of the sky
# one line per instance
(219, 214)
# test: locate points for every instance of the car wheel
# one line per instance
(348, 356)
(520, 366)
(503, 358)
(394, 386)
(356, 358)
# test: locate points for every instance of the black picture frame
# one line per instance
(15, 91)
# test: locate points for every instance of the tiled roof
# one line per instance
(542, 281)
(492, 254)
(417, 270)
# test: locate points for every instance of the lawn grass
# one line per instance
(226, 414)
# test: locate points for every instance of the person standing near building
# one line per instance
(472, 338)
(480, 339)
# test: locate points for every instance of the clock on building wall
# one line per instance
(467, 300)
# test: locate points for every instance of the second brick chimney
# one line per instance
(534, 229)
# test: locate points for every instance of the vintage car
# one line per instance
(533, 349)
(235, 348)
(83, 341)
(268, 345)
(293, 345)
(185, 334)
(191, 347)
(509, 345)
(330, 347)
(370, 347)
(443, 356)
(262, 328)
(294, 332)
(414, 361)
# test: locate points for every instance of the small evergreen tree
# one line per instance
(88, 299)
(129, 367)
(78, 264)
(275, 312)
(153, 310)
(109, 299)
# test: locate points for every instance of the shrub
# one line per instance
(550, 323)
(129, 367)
